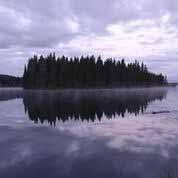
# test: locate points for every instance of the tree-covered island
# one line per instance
(86, 72)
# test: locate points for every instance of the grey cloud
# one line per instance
(38, 26)
(47, 24)
(156, 41)
(44, 23)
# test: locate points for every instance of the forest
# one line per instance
(50, 72)
(10, 81)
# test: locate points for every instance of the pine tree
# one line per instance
(89, 71)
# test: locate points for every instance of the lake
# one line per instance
(104, 133)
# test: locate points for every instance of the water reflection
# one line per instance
(146, 146)
(87, 105)
(40, 152)
(9, 94)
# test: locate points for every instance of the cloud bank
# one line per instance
(146, 30)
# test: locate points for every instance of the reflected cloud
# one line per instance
(142, 134)
(135, 145)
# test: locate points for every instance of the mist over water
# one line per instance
(89, 133)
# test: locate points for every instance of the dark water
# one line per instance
(126, 133)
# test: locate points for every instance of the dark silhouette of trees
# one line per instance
(10, 81)
(84, 72)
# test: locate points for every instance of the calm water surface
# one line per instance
(126, 133)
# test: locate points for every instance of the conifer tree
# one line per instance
(89, 71)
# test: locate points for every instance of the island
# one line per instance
(52, 72)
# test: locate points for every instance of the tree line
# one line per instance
(83, 72)
(10, 81)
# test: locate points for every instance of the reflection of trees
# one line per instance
(169, 169)
(87, 105)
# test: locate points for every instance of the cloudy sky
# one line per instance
(146, 30)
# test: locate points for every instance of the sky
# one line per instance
(146, 30)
